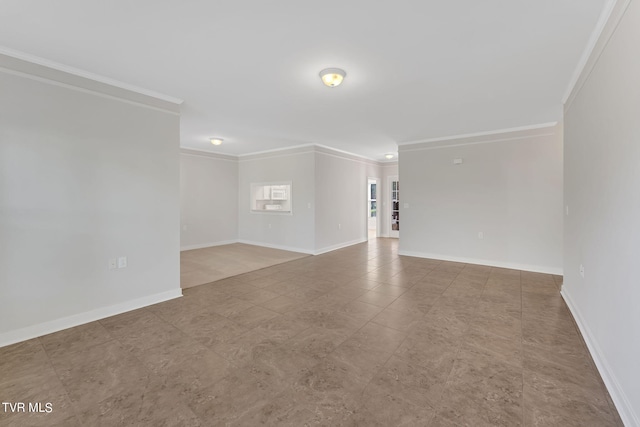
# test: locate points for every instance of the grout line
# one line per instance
(406, 336)
(202, 302)
(462, 340)
(73, 405)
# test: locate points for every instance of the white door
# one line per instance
(394, 215)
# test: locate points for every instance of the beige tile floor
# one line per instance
(356, 337)
(200, 266)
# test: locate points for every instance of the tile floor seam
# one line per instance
(66, 391)
(457, 352)
(83, 348)
(450, 290)
(373, 376)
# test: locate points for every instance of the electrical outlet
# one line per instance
(480, 235)
(339, 226)
(582, 270)
(113, 264)
(122, 262)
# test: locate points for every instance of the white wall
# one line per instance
(602, 187)
(290, 232)
(329, 189)
(208, 199)
(509, 187)
(341, 199)
(83, 178)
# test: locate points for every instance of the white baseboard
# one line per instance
(624, 407)
(491, 263)
(56, 325)
(272, 246)
(301, 250)
(338, 246)
(207, 245)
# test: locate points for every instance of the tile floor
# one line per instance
(200, 266)
(356, 337)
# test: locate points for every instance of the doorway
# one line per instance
(372, 208)
(394, 214)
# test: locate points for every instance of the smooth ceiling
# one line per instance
(248, 70)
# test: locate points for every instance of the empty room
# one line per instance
(409, 213)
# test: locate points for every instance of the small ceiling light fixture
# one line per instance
(216, 141)
(388, 156)
(332, 77)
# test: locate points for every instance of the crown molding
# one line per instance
(277, 152)
(45, 70)
(330, 151)
(312, 148)
(202, 153)
(507, 134)
(612, 13)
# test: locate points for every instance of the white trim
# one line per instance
(274, 246)
(441, 144)
(342, 153)
(202, 153)
(589, 48)
(368, 206)
(275, 152)
(491, 263)
(612, 13)
(281, 247)
(23, 334)
(593, 49)
(485, 133)
(313, 148)
(290, 151)
(620, 399)
(339, 246)
(393, 234)
(207, 245)
(81, 89)
(86, 74)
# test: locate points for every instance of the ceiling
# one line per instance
(248, 70)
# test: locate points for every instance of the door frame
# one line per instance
(378, 210)
(390, 179)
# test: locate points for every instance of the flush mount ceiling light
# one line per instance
(388, 156)
(216, 141)
(332, 77)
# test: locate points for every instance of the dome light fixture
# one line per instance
(216, 141)
(332, 77)
(388, 156)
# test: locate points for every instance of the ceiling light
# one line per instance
(388, 156)
(332, 77)
(216, 141)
